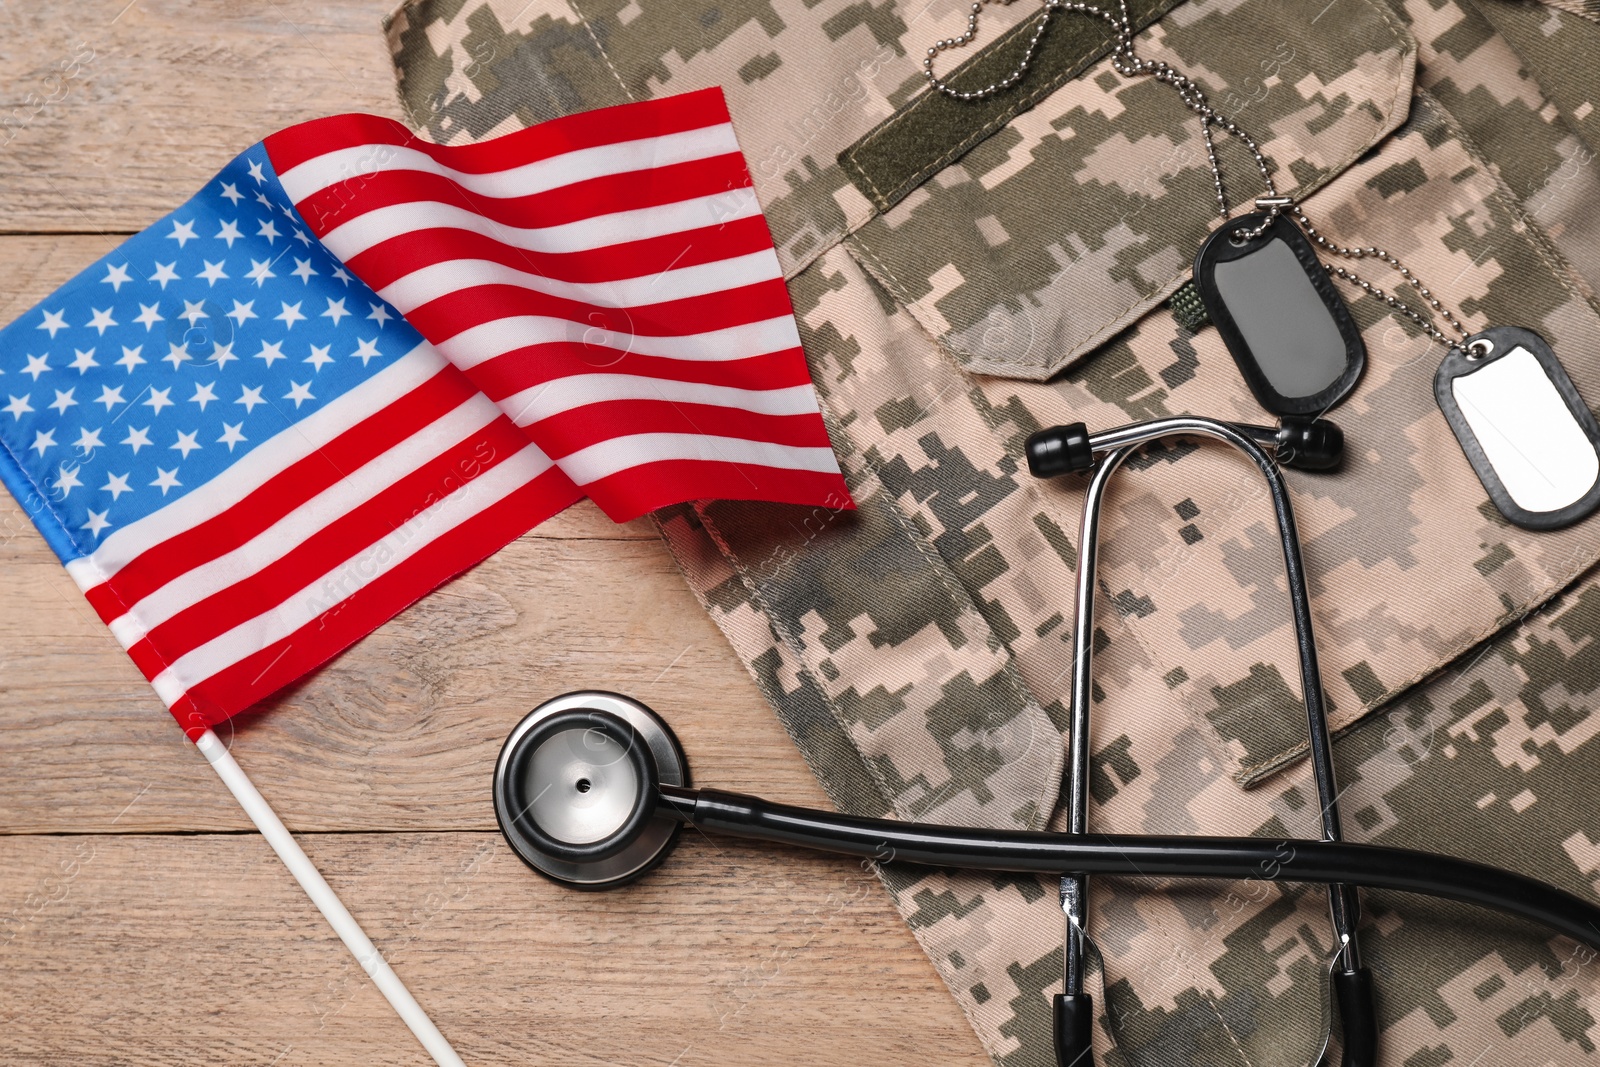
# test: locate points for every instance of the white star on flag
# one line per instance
(260, 270)
(159, 399)
(187, 443)
(427, 444)
(336, 310)
(204, 394)
(231, 435)
(250, 397)
(136, 439)
(67, 480)
(366, 350)
(299, 393)
(116, 485)
(166, 479)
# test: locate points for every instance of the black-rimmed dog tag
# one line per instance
(1522, 424)
(1289, 331)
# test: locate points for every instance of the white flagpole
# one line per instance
(327, 902)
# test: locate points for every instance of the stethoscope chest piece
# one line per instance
(575, 789)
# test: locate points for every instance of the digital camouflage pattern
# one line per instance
(1127, 181)
(918, 650)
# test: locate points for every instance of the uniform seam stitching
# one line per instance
(1403, 84)
(1103, 1013)
(961, 595)
(981, 133)
(712, 535)
(1534, 233)
(600, 48)
(797, 649)
(1145, 304)
(1208, 730)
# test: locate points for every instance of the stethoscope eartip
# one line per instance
(1059, 450)
(575, 789)
(1309, 444)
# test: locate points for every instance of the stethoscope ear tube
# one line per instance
(1074, 1029)
(1358, 1016)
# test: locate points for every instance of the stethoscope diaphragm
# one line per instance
(576, 784)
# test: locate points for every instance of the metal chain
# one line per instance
(1127, 62)
(1395, 264)
(1051, 7)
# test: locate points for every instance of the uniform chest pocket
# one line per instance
(1072, 219)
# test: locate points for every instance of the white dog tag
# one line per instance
(1522, 424)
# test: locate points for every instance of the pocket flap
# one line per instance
(1080, 214)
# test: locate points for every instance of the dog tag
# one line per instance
(1288, 329)
(1523, 426)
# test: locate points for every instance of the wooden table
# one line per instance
(142, 921)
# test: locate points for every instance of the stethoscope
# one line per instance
(592, 788)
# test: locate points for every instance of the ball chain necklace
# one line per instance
(1521, 422)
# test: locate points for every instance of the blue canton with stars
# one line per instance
(152, 371)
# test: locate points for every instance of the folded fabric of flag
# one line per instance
(356, 363)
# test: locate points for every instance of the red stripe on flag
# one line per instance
(338, 544)
(524, 368)
(591, 424)
(235, 688)
(281, 494)
(335, 205)
(589, 129)
(445, 317)
(637, 491)
(393, 259)
(676, 197)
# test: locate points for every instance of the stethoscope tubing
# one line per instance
(1156, 856)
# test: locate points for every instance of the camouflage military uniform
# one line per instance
(963, 277)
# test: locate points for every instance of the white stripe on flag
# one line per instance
(579, 390)
(606, 458)
(259, 465)
(485, 341)
(305, 604)
(451, 276)
(321, 511)
(349, 239)
(581, 164)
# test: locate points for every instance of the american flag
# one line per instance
(607, 278)
(248, 459)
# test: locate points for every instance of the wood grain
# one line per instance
(140, 921)
(162, 949)
(402, 730)
(113, 112)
